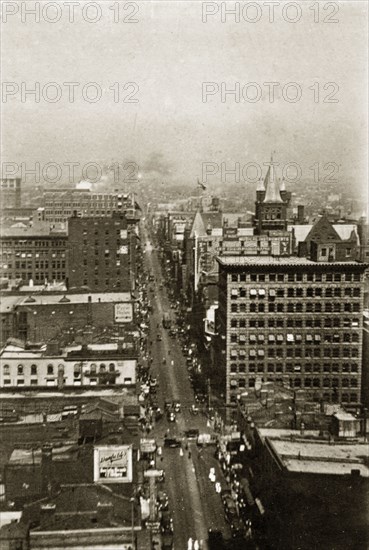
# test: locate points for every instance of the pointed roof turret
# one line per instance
(282, 186)
(272, 192)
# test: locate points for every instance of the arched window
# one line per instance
(102, 367)
(50, 369)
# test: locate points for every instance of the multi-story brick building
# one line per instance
(36, 253)
(293, 320)
(42, 316)
(62, 203)
(101, 253)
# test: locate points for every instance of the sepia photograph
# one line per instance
(184, 275)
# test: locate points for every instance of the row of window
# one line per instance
(294, 277)
(295, 352)
(32, 243)
(298, 307)
(291, 292)
(298, 338)
(326, 396)
(39, 265)
(98, 282)
(303, 382)
(76, 382)
(51, 369)
(328, 322)
(40, 276)
(335, 367)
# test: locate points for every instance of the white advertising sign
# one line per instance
(113, 464)
(123, 312)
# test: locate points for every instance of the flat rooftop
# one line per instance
(320, 457)
(39, 229)
(230, 261)
(29, 456)
(13, 351)
(53, 299)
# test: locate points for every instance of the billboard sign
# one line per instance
(123, 312)
(147, 445)
(113, 464)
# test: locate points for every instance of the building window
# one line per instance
(6, 369)
(102, 367)
(33, 370)
(20, 370)
(50, 369)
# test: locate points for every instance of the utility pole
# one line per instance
(209, 393)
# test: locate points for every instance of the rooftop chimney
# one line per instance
(104, 512)
(300, 213)
(46, 512)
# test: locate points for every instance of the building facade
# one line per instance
(98, 365)
(292, 320)
(34, 253)
(101, 253)
(11, 192)
(61, 204)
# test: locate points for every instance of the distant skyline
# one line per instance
(169, 53)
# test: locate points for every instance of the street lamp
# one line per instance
(132, 499)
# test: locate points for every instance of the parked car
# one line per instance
(167, 404)
(163, 501)
(172, 442)
(166, 522)
(192, 433)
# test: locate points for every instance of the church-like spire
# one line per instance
(282, 186)
(272, 192)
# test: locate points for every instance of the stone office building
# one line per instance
(291, 320)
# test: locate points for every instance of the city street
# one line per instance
(195, 506)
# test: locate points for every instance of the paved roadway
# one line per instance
(194, 504)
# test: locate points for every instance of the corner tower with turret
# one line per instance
(272, 201)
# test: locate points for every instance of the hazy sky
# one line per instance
(169, 53)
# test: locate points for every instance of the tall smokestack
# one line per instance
(46, 469)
